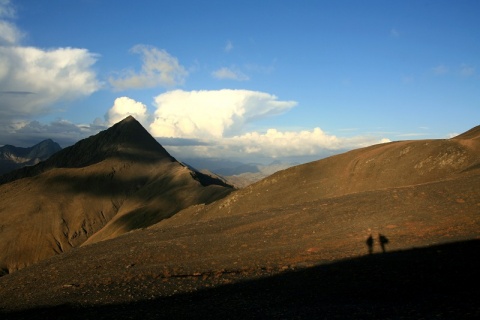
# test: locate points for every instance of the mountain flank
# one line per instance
(384, 166)
(12, 157)
(292, 245)
(116, 181)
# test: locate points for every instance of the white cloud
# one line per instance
(33, 79)
(466, 70)
(6, 9)
(213, 123)
(275, 144)
(440, 69)
(228, 46)
(230, 74)
(394, 33)
(159, 68)
(9, 34)
(124, 107)
(212, 114)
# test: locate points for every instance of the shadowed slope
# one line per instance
(116, 181)
(438, 282)
(124, 140)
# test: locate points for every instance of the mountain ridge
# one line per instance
(108, 184)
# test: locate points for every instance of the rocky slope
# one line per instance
(378, 167)
(116, 181)
(290, 246)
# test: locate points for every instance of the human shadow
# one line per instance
(383, 240)
(369, 244)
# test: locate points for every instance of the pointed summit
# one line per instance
(127, 140)
(128, 137)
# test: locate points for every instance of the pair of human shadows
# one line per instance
(382, 239)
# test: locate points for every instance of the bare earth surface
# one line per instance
(292, 246)
(291, 263)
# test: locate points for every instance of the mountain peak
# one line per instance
(127, 139)
(129, 118)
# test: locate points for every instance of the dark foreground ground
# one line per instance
(438, 282)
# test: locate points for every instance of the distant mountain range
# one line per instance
(237, 173)
(12, 157)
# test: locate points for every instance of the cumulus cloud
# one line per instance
(159, 68)
(275, 143)
(124, 107)
(228, 46)
(211, 114)
(33, 79)
(306, 142)
(211, 124)
(9, 34)
(230, 74)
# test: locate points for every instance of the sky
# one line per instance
(241, 80)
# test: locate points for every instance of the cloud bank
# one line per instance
(28, 133)
(275, 144)
(212, 113)
(159, 68)
(211, 124)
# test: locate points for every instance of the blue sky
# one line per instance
(240, 79)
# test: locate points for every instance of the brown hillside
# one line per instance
(103, 186)
(199, 269)
(473, 133)
(391, 165)
(290, 246)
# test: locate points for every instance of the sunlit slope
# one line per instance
(390, 165)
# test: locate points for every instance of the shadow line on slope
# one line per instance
(440, 282)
